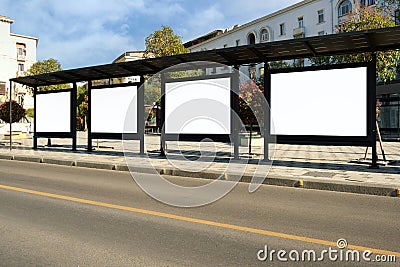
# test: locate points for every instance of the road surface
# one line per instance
(68, 216)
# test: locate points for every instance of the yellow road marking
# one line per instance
(200, 221)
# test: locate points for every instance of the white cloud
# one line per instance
(227, 13)
(87, 32)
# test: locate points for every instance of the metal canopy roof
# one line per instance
(333, 44)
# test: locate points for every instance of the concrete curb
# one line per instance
(377, 190)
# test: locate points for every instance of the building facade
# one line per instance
(17, 54)
(305, 19)
(125, 57)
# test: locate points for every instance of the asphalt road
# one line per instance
(122, 226)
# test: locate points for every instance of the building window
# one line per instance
(264, 35)
(321, 16)
(367, 2)
(21, 51)
(345, 8)
(251, 39)
(397, 17)
(282, 29)
(321, 33)
(21, 67)
(237, 42)
(300, 22)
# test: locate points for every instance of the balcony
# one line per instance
(299, 32)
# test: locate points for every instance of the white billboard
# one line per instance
(53, 112)
(323, 103)
(114, 110)
(198, 107)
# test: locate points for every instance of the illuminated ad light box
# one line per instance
(198, 107)
(53, 112)
(324, 103)
(114, 110)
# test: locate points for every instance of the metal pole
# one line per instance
(73, 115)
(162, 121)
(235, 118)
(89, 117)
(35, 141)
(141, 119)
(267, 115)
(10, 115)
(372, 98)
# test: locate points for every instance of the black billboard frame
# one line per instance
(369, 140)
(118, 136)
(233, 137)
(72, 133)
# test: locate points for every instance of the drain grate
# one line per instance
(320, 174)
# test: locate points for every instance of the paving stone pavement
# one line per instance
(327, 166)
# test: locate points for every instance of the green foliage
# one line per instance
(152, 90)
(184, 74)
(82, 107)
(278, 64)
(372, 18)
(18, 112)
(46, 66)
(82, 101)
(164, 43)
(30, 112)
(391, 3)
(158, 44)
(322, 61)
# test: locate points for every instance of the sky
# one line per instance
(81, 33)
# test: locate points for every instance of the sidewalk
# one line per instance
(314, 167)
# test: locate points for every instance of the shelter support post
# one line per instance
(35, 139)
(162, 121)
(141, 113)
(372, 85)
(73, 115)
(267, 113)
(11, 115)
(235, 105)
(89, 118)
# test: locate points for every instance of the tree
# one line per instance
(46, 66)
(391, 3)
(164, 43)
(82, 107)
(368, 18)
(160, 43)
(42, 67)
(251, 101)
(18, 112)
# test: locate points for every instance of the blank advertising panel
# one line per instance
(198, 107)
(53, 112)
(320, 103)
(114, 110)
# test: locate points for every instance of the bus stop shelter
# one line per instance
(370, 41)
